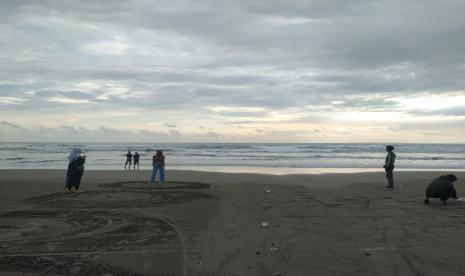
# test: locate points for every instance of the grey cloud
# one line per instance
(74, 94)
(248, 122)
(63, 133)
(9, 125)
(185, 55)
(212, 134)
(170, 125)
(233, 114)
(370, 34)
(175, 133)
(458, 111)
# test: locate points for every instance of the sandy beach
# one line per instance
(202, 223)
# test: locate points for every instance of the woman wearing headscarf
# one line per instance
(75, 169)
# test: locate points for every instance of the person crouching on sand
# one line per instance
(442, 187)
(158, 164)
(75, 170)
(389, 166)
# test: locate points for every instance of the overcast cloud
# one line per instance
(278, 71)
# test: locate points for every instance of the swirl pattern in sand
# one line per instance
(67, 233)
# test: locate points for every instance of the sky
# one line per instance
(233, 71)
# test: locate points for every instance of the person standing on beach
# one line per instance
(128, 160)
(136, 160)
(442, 187)
(75, 170)
(158, 163)
(389, 166)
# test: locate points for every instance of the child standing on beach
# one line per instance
(389, 166)
(158, 163)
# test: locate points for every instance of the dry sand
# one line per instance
(202, 223)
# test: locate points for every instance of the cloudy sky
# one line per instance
(233, 71)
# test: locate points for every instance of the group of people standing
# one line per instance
(158, 164)
(130, 157)
(76, 161)
(442, 187)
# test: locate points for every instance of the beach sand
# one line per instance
(202, 223)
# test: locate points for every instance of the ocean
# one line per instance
(235, 157)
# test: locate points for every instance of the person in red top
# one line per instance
(158, 163)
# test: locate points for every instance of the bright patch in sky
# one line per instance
(430, 102)
(67, 100)
(11, 100)
(114, 47)
(280, 20)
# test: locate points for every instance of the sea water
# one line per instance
(236, 157)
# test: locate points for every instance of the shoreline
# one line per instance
(327, 180)
(257, 170)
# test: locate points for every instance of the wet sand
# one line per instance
(202, 223)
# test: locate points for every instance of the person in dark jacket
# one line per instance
(75, 170)
(442, 187)
(389, 166)
(136, 160)
(128, 160)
